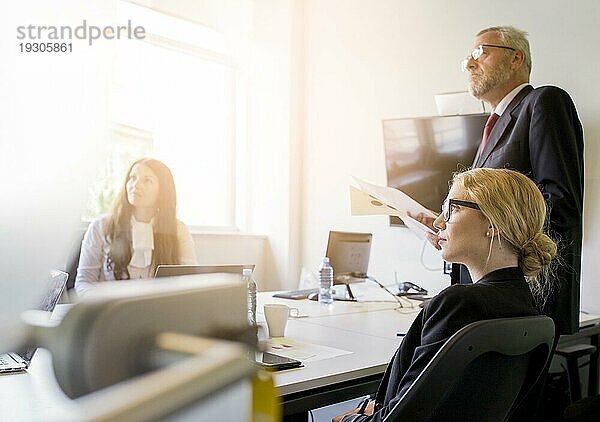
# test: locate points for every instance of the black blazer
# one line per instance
(540, 135)
(500, 294)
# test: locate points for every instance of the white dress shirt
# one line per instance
(503, 104)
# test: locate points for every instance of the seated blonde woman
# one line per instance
(140, 233)
(492, 222)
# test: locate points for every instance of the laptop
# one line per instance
(349, 256)
(177, 270)
(19, 361)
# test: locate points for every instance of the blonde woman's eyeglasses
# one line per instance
(449, 205)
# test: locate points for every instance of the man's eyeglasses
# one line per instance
(478, 52)
(449, 205)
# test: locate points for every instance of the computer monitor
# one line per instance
(422, 153)
(349, 256)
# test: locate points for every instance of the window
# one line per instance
(173, 97)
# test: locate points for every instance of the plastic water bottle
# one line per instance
(251, 283)
(325, 282)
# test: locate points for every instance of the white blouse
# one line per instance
(142, 239)
(93, 258)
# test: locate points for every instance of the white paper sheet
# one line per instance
(376, 200)
(417, 227)
(361, 203)
(304, 352)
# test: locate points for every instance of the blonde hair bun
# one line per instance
(537, 253)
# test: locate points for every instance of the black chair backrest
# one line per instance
(73, 261)
(483, 372)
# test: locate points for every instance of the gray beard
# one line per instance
(478, 88)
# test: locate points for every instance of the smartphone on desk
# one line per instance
(275, 362)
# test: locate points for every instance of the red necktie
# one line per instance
(491, 121)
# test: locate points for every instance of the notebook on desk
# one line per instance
(179, 270)
(19, 361)
(296, 294)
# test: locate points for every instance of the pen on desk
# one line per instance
(400, 334)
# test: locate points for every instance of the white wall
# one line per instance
(367, 61)
(233, 249)
(274, 136)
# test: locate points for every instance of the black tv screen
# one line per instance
(422, 153)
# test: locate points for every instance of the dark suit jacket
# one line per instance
(540, 135)
(500, 294)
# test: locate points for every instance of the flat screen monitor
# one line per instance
(422, 153)
(349, 256)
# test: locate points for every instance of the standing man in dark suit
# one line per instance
(538, 133)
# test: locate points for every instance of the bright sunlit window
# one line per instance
(173, 98)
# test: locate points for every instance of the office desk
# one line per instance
(368, 322)
(34, 395)
(329, 381)
(317, 384)
(368, 330)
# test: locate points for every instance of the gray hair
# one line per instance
(512, 37)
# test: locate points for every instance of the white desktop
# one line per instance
(363, 334)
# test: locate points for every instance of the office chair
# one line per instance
(73, 264)
(483, 372)
(572, 355)
(587, 408)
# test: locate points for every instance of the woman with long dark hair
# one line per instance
(140, 232)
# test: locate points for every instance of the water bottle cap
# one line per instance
(326, 259)
(247, 272)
